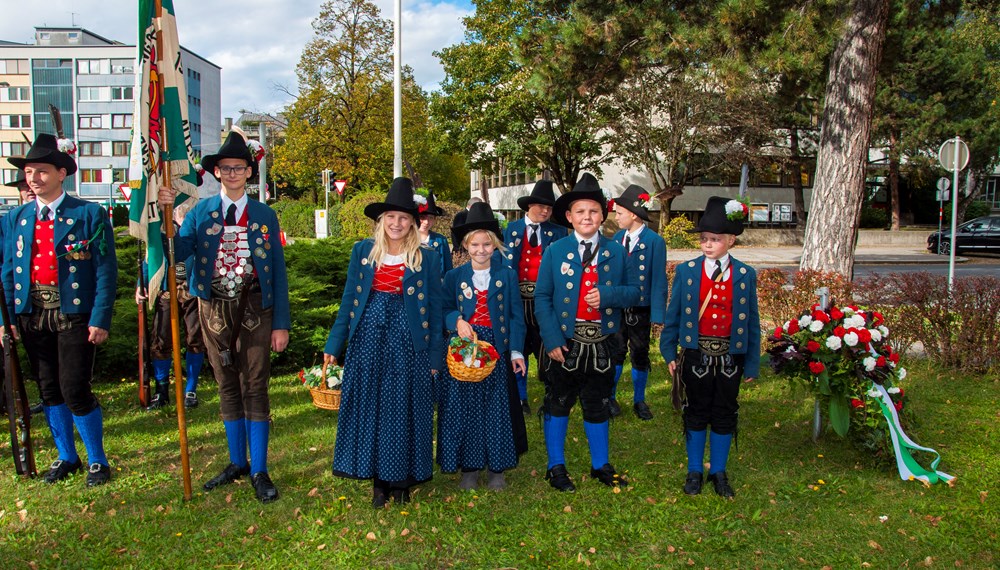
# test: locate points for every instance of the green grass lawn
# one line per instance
(798, 504)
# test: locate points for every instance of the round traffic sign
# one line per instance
(943, 183)
(954, 151)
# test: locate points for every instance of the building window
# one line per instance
(92, 94)
(121, 121)
(9, 175)
(90, 121)
(119, 175)
(15, 121)
(91, 149)
(122, 66)
(14, 66)
(88, 66)
(14, 94)
(13, 149)
(119, 148)
(91, 175)
(121, 93)
(52, 63)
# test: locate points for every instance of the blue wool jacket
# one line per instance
(85, 285)
(422, 294)
(517, 232)
(200, 236)
(648, 261)
(439, 244)
(558, 287)
(503, 299)
(681, 326)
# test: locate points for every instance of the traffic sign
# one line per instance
(340, 184)
(126, 191)
(943, 183)
(947, 154)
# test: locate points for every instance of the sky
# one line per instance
(257, 46)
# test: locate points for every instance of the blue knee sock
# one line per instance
(91, 428)
(555, 439)
(161, 370)
(193, 362)
(618, 375)
(718, 453)
(639, 378)
(60, 422)
(259, 432)
(696, 450)
(597, 437)
(522, 385)
(236, 437)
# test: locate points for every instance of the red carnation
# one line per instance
(812, 346)
(644, 197)
(816, 367)
(877, 318)
(899, 406)
(839, 332)
(778, 332)
(456, 356)
(821, 316)
(901, 392)
(836, 313)
(422, 208)
(864, 335)
(894, 358)
(746, 210)
(611, 204)
(855, 403)
(880, 361)
(793, 326)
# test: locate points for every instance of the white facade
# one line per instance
(91, 80)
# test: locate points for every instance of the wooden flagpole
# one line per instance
(168, 224)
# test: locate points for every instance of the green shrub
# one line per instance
(119, 216)
(297, 217)
(116, 357)
(976, 210)
(874, 217)
(677, 234)
(354, 225)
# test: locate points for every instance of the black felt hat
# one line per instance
(479, 217)
(17, 181)
(234, 147)
(431, 206)
(456, 221)
(399, 199)
(45, 150)
(716, 220)
(630, 201)
(543, 193)
(587, 188)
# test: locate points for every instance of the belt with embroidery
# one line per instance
(713, 345)
(527, 289)
(588, 332)
(44, 296)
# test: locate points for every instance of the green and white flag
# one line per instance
(161, 111)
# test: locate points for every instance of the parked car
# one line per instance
(981, 234)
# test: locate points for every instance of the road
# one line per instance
(973, 267)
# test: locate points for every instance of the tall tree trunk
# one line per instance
(832, 229)
(894, 178)
(797, 197)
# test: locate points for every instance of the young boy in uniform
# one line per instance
(712, 317)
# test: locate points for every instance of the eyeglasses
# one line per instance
(232, 169)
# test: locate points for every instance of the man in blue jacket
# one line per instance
(583, 285)
(240, 280)
(60, 275)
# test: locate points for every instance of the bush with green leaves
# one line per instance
(354, 224)
(677, 234)
(874, 218)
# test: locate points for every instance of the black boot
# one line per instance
(161, 397)
(380, 492)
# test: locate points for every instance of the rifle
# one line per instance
(16, 399)
(145, 389)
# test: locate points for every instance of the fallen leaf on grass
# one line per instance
(671, 549)
(404, 532)
(313, 492)
(19, 504)
(928, 562)
(471, 504)
(534, 473)
(297, 513)
(567, 509)
(690, 562)
(251, 529)
(33, 565)
(932, 519)
(321, 547)
(112, 512)
(229, 498)
(651, 500)
(84, 536)
(159, 508)
(983, 495)
(617, 490)
(458, 520)
(875, 545)
(370, 536)
(592, 550)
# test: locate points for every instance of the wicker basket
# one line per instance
(323, 398)
(459, 371)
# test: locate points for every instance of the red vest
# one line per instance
(587, 282)
(531, 258)
(44, 267)
(482, 315)
(389, 278)
(718, 317)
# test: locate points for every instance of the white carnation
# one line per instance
(884, 330)
(834, 342)
(790, 349)
(851, 339)
(873, 393)
(805, 321)
(855, 322)
(869, 363)
(419, 199)
(876, 335)
(733, 207)
(893, 390)
(902, 373)
(816, 326)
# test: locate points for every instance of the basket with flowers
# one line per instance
(324, 385)
(471, 360)
(842, 356)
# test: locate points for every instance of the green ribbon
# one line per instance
(909, 468)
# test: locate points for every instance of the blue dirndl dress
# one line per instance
(475, 426)
(386, 420)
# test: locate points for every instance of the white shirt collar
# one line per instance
(634, 237)
(53, 206)
(241, 204)
(529, 221)
(481, 279)
(595, 244)
(710, 264)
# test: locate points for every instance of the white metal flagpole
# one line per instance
(397, 95)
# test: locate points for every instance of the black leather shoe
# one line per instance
(614, 410)
(642, 411)
(265, 489)
(692, 485)
(721, 483)
(228, 475)
(400, 496)
(60, 470)
(559, 479)
(36, 409)
(378, 497)
(606, 474)
(98, 474)
(190, 400)
(525, 408)
(160, 399)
